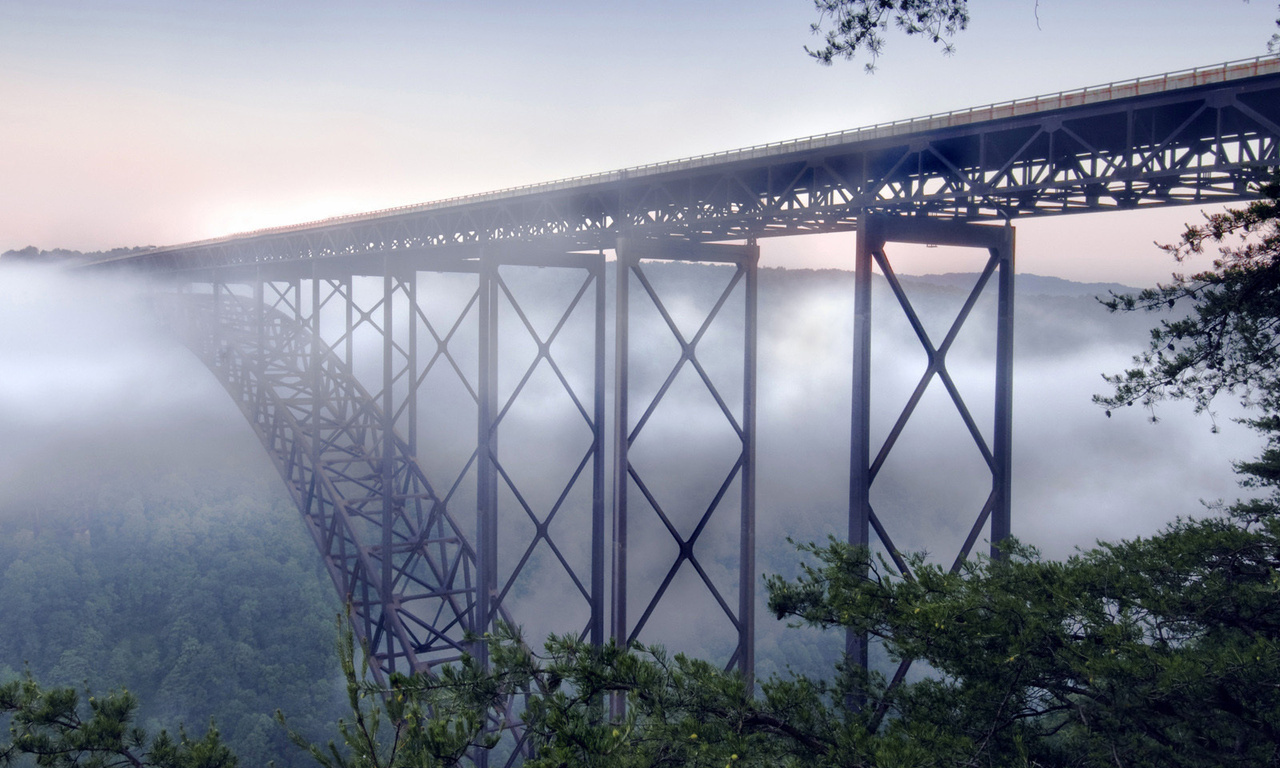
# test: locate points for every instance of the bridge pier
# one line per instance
(874, 233)
(495, 467)
(628, 477)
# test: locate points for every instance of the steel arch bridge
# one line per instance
(319, 333)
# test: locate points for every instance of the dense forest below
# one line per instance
(195, 588)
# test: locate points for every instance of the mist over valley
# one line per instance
(103, 406)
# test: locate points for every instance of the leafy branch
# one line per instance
(852, 26)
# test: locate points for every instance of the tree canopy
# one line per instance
(197, 591)
(1157, 651)
(853, 27)
(61, 728)
(1226, 341)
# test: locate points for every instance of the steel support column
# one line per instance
(486, 476)
(216, 289)
(1001, 516)
(869, 239)
(387, 456)
(598, 468)
(747, 542)
(309, 497)
(260, 328)
(626, 261)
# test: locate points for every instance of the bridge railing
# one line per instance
(1121, 89)
(1188, 78)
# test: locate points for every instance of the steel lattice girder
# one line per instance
(1111, 148)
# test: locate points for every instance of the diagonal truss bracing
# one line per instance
(583, 470)
(875, 233)
(543, 526)
(630, 480)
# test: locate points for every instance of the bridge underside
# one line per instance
(433, 534)
(437, 518)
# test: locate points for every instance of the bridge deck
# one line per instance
(1141, 86)
(1198, 135)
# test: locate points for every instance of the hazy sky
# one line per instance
(129, 122)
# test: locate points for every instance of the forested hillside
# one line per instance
(145, 542)
(198, 592)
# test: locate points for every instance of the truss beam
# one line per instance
(1204, 138)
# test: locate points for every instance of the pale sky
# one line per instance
(134, 122)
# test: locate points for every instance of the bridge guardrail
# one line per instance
(1187, 78)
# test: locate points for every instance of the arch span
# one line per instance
(409, 578)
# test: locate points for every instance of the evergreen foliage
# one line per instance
(1229, 340)
(1157, 651)
(60, 730)
(200, 594)
(389, 729)
(854, 26)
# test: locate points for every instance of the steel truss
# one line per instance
(875, 232)
(588, 470)
(419, 575)
(1206, 137)
(627, 476)
(295, 380)
(417, 578)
